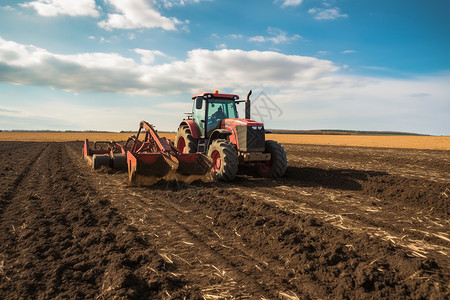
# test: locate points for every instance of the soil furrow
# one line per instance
(21, 171)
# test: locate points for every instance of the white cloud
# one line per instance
(109, 72)
(322, 52)
(366, 103)
(136, 14)
(148, 56)
(276, 36)
(7, 8)
(8, 112)
(171, 3)
(327, 13)
(291, 3)
(51, 8)
(258, 38)
(236, 36)
(348, 51)
(101, 39)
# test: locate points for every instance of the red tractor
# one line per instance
(215, 129)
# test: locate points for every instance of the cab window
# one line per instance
(220, 109)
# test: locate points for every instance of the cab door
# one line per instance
(198, 113)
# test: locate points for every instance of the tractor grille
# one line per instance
(250, 138)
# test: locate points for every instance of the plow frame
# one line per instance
(152, 158)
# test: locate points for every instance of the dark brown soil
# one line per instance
(345, 222)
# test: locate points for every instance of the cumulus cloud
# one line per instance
(366, 103)
(110, 72)
(8, 8)
(235, 36)
(291, 3)
(327, 13)
(171, 3)
(136, 14)
(23, 64)
(51, 8)
(8, 112)
(276, 36)
(322, 52)
(148, 56)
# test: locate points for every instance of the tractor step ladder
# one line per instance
(201, 146)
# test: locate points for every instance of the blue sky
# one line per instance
(312, 64)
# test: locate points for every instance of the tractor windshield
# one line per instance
(220, 109)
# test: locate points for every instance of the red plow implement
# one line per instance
(149, 160)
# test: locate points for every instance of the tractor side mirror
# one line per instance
(198, 103)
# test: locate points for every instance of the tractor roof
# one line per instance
(214, 95)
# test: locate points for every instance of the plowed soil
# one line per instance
(345, 222)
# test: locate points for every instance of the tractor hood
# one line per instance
(242, 122)
(248, 135)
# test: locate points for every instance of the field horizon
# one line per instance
(350, 140)
(275, 131)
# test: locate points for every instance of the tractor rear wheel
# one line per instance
(225, 162)
(277, 165)
(184, 140)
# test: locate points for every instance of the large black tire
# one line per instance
(225, 162)
(184, 141)
(277, 165)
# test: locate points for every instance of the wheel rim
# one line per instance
(265, 166)
(217, 161)
(181, 145)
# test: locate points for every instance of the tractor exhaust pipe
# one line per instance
(247, 105)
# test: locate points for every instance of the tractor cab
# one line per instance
(210, 109)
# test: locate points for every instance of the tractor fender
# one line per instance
(219, 134)
(192, 127)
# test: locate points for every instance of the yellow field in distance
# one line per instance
(414, 142)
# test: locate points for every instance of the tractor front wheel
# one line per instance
(277, 165)
(225, 162)
(184, 141)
